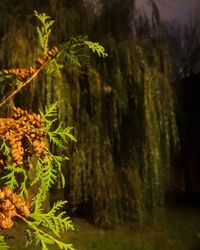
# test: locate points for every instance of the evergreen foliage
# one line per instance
(44, 31)
(59, 135)
(39, 169)
(71, 49)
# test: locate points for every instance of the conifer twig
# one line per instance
(24, 84)
(31, 225)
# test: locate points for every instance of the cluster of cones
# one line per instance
(11, 205)
(24, 133)
(24, 73)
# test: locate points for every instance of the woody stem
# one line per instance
(24, 84)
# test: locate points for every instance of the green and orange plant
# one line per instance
(26, 161)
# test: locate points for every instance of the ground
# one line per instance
(179, 230)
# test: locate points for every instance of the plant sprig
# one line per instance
(96, 48)
(44, 31)
(3, 244)
(12, 179)
(54, 220)
(70, 50)
(42, 238)
(59, 135)
(47, 166)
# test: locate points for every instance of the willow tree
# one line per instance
(122, 111)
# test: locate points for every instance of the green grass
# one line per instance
(178, 231)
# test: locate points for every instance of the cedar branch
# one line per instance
(24, 84)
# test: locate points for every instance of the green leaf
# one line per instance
(44, 31)
(57, 161)
(96, 47)
(5, 148)
(42, 17)
(37, 203)
(12, 178)
(72, 58)
(54, 68)
(3, 76)
(54, 220)
(40, 37)
(38, 172)
(3, 244)
(59, 135)
(70, 50)
(46, 176)
(50, 111)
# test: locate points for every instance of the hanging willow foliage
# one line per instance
(122, 111)
(125, 132)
